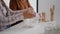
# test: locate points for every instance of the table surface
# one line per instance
(24, 29)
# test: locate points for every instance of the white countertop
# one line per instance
(24, 29)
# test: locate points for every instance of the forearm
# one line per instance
(15, 18)
(6, 22)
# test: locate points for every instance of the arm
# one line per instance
(10, 19)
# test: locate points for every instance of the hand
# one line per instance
(29, 14)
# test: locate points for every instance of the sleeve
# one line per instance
(12, 17)
(6, 21)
